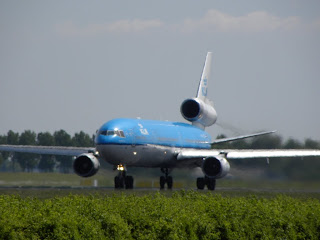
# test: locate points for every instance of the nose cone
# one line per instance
(117, 131)
(100, 139)
(107, 137)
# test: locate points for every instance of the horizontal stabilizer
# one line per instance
(223, 140)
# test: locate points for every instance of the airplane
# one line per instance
(163, 144)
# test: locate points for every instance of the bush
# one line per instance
(184, 215)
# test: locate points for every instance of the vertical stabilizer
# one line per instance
(203, 85)
(200, 110)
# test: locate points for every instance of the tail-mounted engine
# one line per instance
(198, 112)
(215, 167)
(86, 165)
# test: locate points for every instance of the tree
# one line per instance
(240, 144)
(45, 139)
(28, 161)
(292, 144)
(1, 159)
(3, 140)
(266, 142)
(82, 139)
(225, 145)
(47, 162)
(311, 144)
(12, 139)
(62, 138)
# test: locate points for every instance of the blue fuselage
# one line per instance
(142, 132)
(146, 142)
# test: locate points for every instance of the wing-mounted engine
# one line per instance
(215, 167)
(200, 113)
(86, 165)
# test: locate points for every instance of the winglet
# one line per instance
(203, 85)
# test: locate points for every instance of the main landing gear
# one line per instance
(206, 181)
(166, 179)
(122, 180)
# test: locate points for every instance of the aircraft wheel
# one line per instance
(211, 183)
(129, 182)
(200, 183)
(169, 182)
(162, 182)
(118, 182)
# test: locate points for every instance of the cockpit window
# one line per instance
(103, 133)
(111, 133)
(118, 133)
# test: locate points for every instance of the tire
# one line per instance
(118, 182)
(162, 182)
(169, 182)
(211, 184)
(129, 182)
(200, 183)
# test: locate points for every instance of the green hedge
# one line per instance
(184, 215)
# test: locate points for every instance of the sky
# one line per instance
(74, 65)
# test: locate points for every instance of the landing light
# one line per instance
(120, 168)
(134, 153)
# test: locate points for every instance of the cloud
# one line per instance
(121, 26)
(257, 21)
(134, 25)
(212, 21)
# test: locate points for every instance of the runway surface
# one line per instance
(139, 189)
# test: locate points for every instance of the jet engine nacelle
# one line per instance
(197, 111)
(215, 167)
(86, 165)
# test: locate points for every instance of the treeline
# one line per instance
(285, 168)
(307, 168)
(28, 162)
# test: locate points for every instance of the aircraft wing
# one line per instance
(51, 150)
(196, 154)
(272, 153)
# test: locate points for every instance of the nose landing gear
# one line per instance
(122, 180)
(166, 179)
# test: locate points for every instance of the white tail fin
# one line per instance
(200, 110)
(203, 85)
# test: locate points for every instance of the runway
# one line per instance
(141, 191)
